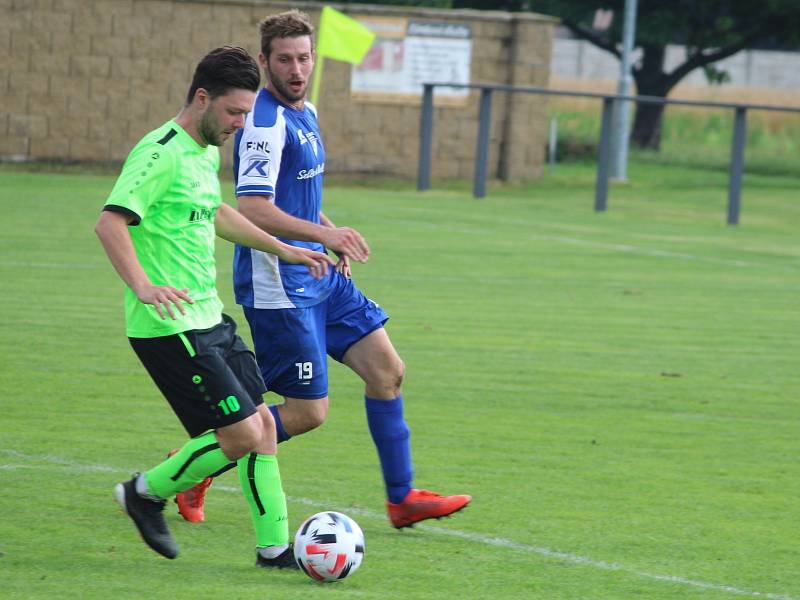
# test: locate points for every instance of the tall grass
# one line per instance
(691, 136)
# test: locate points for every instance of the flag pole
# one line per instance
(317, 79)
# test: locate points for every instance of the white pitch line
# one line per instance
(650, 251)
(16, 264)
(614, 247)
(463, 535)
(628, 248)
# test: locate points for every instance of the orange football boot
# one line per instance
(190, 503)
(419, 505)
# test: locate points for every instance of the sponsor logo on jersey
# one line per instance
(310, 173)
(259, 165)
(200, 214)
(262, 145)
(308, 138)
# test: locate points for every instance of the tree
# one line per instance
(711, 30)
(419, 3)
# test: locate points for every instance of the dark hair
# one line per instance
(223, 69)
(291, 23)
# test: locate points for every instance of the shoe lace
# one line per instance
(286, 557)
(154, 508)
(429, 494)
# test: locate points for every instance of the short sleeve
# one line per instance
(259, 154)
(145, 177)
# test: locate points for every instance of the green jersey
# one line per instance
(169, 186)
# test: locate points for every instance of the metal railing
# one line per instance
(604, 147)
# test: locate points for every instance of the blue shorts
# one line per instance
(291, 343)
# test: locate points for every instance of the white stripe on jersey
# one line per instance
(260, 151)
(268, 289)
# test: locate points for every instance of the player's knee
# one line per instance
(247, 437)
(267, 420)
(399, 373)
(387, 381)
(314, 415)
(393, 376)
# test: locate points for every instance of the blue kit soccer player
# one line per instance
(297, 321)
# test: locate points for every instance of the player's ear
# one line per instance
(262, 60)
(201, 98)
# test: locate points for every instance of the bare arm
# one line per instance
(324, 220)
(112, 229)
(232, 226)
(272, 219)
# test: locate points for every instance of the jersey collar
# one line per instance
(187, 139)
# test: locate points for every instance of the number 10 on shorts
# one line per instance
(305, 370)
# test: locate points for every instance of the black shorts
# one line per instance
(209, 376)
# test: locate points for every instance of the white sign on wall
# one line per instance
(408, 53)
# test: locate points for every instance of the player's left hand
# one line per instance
(318, 263)
(346, 240)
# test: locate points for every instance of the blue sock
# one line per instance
(391, 436)
(282, 435)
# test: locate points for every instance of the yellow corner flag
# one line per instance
(340, 38)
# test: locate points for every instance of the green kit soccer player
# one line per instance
(158, 228)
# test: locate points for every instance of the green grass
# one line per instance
(691, 137)
(618, 391)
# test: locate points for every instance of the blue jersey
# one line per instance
(279, 155)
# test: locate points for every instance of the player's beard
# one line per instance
(209, 129)
(284, 90)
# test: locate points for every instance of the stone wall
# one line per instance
(83, 80)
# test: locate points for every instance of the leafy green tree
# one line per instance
(421, 3)
(711, 30)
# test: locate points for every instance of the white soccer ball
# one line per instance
(329, 546)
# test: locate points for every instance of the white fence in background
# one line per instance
(579, 59)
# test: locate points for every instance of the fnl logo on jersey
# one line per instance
(308, 138)
(261, 145)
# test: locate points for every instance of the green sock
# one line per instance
(199, 458)
(261, 484)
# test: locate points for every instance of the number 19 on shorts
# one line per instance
(305, 370)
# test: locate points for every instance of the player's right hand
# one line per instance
(318, 263)
(343, 266)
(345, 240)
(163, 297)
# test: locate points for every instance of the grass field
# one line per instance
(618, 392)
(691, 136)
